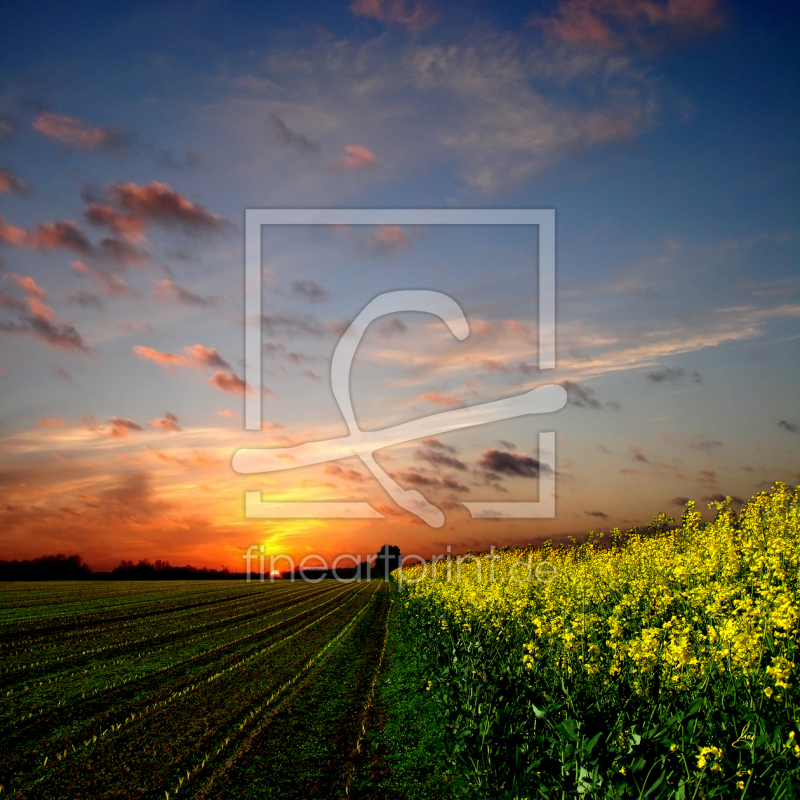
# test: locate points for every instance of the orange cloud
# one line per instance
(356, 157)
(228, 413)
(416, 15)
(169, 422)
(50, 422)
(77, 133)
(121, 427)
(166, 360)
(440, 399)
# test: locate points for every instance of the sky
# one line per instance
(134, 136)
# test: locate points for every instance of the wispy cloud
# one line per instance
(415, 15)
(10, 182)
(35, 317)
(289, 136)
(81, 135)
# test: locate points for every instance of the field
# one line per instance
(190, 689)
(658, 665)
(661, 666)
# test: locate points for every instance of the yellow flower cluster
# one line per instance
(677, 604)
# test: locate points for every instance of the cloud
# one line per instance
(290, 137)
(8, 127)
(81, 135)
(120, 428)
(387, 239)
(417, 478)
(309, 290)
(598, 514)
(50, 422)
(207, 356)
(616, 23)
(132, 208)
(279, 351)
(699, 442)
(673, 375)
(169, 422)
(706, 476)
(166, 360)
(500, 462)
(169, 291)
(58, 371)
(63, 234)
(438, 456)
(388, 328)
(10, 182)
(721, 498)
(35, 317)
(283, 324)
(581, 397)
(356, 157)
(440, 399)
(228, 382)
(679, 501)
(190, 160)
(637, 454)
(85, 299)
(791, 427)
(104, 281)
(197, 355)
(345, 474)
(415, 15)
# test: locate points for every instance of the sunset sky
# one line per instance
(134, 136)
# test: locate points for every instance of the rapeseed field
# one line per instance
(657, 663)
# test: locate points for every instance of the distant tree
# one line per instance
(386, 561)
(45, 568)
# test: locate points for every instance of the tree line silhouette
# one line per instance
(65, 568)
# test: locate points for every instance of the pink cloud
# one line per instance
(228, 413)
(63, 234)
(207, 356)
(50, 422)
(389, 237)
(160, 204)
(77, 133)
(416, 15)
(356, 157)
(612, 23)
(228, 382)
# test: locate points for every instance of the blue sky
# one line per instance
(133, 138)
